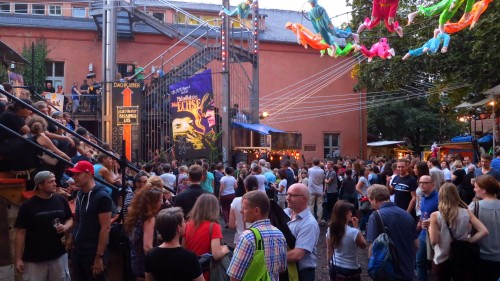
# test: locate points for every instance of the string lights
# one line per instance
(255, 26)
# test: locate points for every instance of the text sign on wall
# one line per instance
(126, 98)
(127, 115)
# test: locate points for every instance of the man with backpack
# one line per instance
(392, 234)
(260, 253)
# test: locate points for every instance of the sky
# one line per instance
(333, 7)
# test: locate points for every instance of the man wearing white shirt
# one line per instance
(168, 177)
(315, 186)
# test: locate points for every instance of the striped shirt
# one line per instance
(275, 249)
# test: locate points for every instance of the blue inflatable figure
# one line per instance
(242, 10)
(323, 25)
(431, 46)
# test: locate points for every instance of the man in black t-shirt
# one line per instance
(42, 222)
(89, 238)
(187, 198)
(404, 187)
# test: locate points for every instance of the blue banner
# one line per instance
(192, 110)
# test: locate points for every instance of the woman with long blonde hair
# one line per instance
(140, 224)
(203, 233)
(452, 218)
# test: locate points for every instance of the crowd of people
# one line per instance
(173, 214)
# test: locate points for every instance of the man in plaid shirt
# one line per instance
(254, 210)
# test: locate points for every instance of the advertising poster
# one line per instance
(57, 100)
(16, 79)
(193, 116)
(126, 101)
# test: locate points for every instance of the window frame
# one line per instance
(51, 76)
(49, 12)
(156, 14)
(15, 8)
(38, 4)
(5, 4)
(79, 7)
(329, 145)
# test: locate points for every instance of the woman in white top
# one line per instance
(235, 219)
(362, 189)
(342, 242)
(227, 192)
(452, 212)
(488, 212)
(281, 189)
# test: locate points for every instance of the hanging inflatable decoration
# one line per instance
(381, 49)
(323, 25)
(476, 12)
(242, 10)
(447, 8)
(431, 46)
(306, 37)
(383, 10)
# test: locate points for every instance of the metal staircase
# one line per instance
(192, 65)
(205, 38)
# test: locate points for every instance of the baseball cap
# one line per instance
(81, 167)
(42, 176)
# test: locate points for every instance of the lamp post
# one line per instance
(494, 120)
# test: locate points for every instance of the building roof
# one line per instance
(8, 55)
(275, 21)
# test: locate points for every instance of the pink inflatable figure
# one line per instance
(434, 150)
(383, 10)
(381, 49)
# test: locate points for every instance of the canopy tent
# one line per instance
(258, 128)
(490, 93)
(383, 143)
(461, 139)
(486, 139)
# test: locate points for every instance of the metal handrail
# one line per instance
(122, 160)
(45, 150)
(60, 126)
(32, 91)
(177, 43)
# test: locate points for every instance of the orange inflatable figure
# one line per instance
(476, 12)
(306, 37)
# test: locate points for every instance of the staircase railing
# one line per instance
(204, 35)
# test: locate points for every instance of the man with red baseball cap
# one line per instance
(92, 223)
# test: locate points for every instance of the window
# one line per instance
(20, 8)
(179, 18)
(331, 146)
(55, 72)
(55, 10)
(122, 69)
(160, 16)
(193, 21)
(78, 12)
(4, 7)
(310, 147)
(38, 9)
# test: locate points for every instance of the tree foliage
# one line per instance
(445, 80)
(41, 51)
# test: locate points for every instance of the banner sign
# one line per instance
(126, 98)
(286, 141)
(16, 79)
(127, 115)
(193, 116)
(57, 100)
